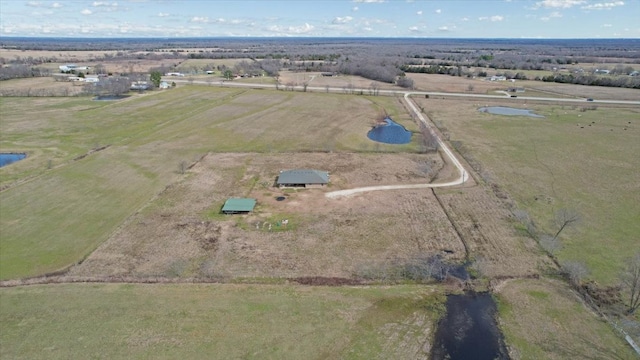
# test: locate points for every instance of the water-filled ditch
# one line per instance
(469, 329)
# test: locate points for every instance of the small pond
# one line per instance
(503, 110)
(110, 97)
(6, 159)
(390, 133)
(469, 329)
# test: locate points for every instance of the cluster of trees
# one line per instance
(576, 272)
(111, 86)
(632, 82)
(22, 71)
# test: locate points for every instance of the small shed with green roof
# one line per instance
(238, 206)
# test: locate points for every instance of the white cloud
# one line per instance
(34, 3)
(493, 18)
(368, 1)
(86, 12)
(603, 6)
(553, 15)
(341, 20)
(438, 11)
(355, 8)
(465, 19)
(291, 30)
(199, 19)
(103, 3)
(419, 12)
(414, 29)
(161, 14)
(563, 4)
(607, 25)
(56, 5)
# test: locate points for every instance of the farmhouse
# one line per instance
(303, 178)
(238, 206)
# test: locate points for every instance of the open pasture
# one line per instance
(544, 319)
(580, 157)
(40, 86)
(92, 164)
(123, 321)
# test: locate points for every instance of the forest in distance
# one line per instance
(612, 62)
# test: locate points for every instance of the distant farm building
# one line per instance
(303, 178)
(140, 85)
(238, 206)
(72, 67)
(91, 78)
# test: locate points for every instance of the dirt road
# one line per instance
(463, 176)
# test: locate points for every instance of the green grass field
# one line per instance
(58, 209)
(124, 321)
(575, 159)
(565, 329)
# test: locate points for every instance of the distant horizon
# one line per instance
(304, 37)
(459, 19)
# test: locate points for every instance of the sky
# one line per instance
(550, 19)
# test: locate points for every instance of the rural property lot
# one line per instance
(180, 234)
(134, 190)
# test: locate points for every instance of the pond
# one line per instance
(390, 133)
(8, 158)
(503, 110)
(469, 329)
(110, 97)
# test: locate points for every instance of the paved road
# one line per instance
(400, 92)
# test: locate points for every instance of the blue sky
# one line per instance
(322, 18)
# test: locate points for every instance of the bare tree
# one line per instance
(375, 88)
(631, 281)
(550, 244)
(575, 271)
(566, 218)
(182, 167)
(429, 140)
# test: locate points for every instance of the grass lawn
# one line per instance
(124, 321)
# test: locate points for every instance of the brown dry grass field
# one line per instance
(182, 234)
(39, 87)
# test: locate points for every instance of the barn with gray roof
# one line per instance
(302, 178)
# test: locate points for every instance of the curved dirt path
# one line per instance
(462, 178)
